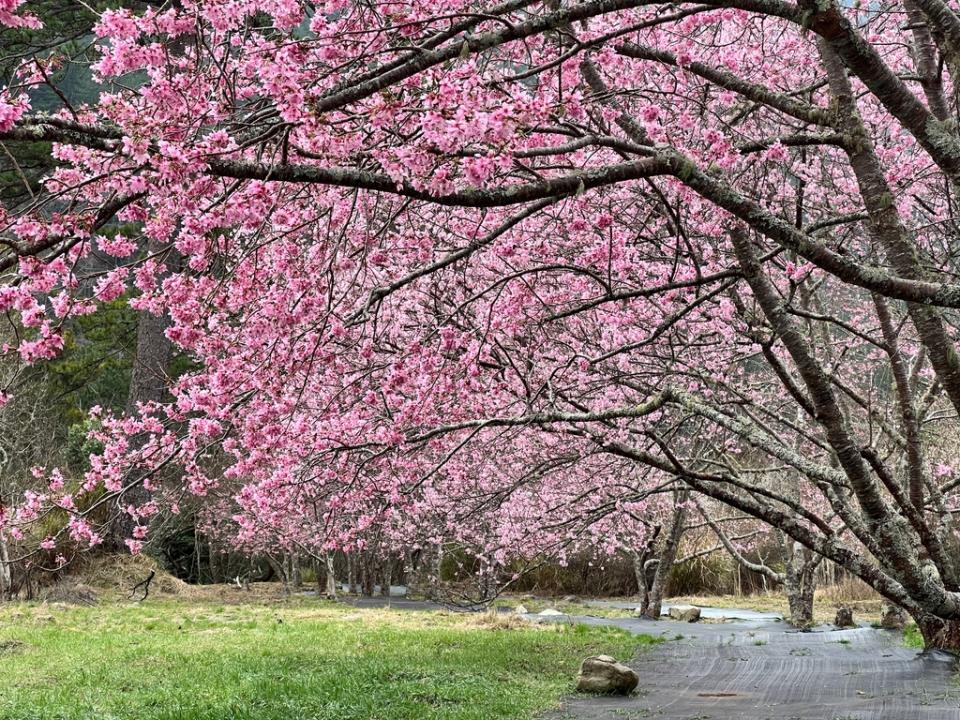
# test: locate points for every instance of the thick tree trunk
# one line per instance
(939, 634)
(800, 599)
(649, 574)
(642, 567)
(800, 584)
(643, 586)
(667, 557)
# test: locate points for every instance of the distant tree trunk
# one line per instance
(212, 563)
(638, 560)
(331, 578)
(296, 577)
(387, 576)
(148, 383)
(436, 572)
(351, 574)
(280, 570)
(667, 555)
(318, 576)
(408, 569)
(415, 572)
(368, 576)
(6, 576)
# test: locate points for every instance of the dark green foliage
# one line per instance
(64, 42)
(65, 23)
(32, 163)
(79, 447)
(95, 366)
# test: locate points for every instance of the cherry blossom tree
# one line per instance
(512, 273)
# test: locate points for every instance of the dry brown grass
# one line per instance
(848, 591)
(493, 620)
(114, 576)
(118, 574)
(851, 593)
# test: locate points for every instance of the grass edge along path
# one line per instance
(182, 660)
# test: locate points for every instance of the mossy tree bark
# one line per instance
(668, 555)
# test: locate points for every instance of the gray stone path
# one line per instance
(762, 669)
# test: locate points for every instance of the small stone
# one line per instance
(603, 674)
(844, 618)
(684, 613)
(528, 597)
(550, 612)
(569, 598)
(892, 617)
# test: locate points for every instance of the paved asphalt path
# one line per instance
(756, 667)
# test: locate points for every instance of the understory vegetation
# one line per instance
(912, 637)
(196, 659)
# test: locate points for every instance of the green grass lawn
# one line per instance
(912, 637)
(180, 660)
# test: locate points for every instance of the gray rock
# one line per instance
(569, 598)
(550, 612)
(892, 617)
(684, 613)
(603, 674)
(844, 618)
